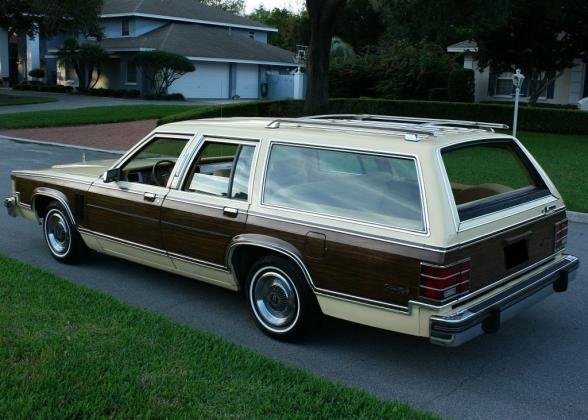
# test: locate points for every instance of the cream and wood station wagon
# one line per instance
(435, 228)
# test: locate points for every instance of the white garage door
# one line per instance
(209, 81)
(247, 81)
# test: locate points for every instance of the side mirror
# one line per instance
(112, 175)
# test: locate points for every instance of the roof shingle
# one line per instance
(182, 9)
(194, 40)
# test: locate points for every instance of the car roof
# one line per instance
(336, 136)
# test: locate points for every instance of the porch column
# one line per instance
(33, 54)
(4, 61)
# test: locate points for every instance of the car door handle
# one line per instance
(149, 197)
(230, 212)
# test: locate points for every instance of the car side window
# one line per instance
(222, 170)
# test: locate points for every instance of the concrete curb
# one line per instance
(71, 146)
(577, 217)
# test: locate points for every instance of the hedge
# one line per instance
(563, 121)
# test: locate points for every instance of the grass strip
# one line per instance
(565, 159)
(69, 352)
(92, 115)
(8, 100)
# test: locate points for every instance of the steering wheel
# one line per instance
(161, 178)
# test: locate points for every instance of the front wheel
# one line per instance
(63, 240)
(280, 300)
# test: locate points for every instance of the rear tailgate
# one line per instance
(497, 256)
(507, 208)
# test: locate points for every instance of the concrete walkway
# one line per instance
(117, 136)
(74, 101)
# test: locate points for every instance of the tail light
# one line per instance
(561, 234)
(443, 282)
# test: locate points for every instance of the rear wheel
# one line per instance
(280, 300)
(63, 240)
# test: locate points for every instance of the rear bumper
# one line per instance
(487, 316)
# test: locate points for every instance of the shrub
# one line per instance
(162, 68)
(166, 97)
(530, 119)
(438, 94)
(37, 73)
(461, 85)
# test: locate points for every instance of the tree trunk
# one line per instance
(322, 14)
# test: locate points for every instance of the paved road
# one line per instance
(536, 367)
(66, 101)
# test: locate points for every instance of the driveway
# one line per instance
(116, 136)
(535, 367)
(70, 101)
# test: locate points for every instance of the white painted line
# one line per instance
(71, 146)
(577, 217)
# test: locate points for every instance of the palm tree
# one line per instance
(86, 59)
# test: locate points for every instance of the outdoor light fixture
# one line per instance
(517, 81)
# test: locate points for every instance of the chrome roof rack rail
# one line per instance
(414, 120)
(410, 131)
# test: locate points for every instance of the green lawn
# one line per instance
(70, 352)
(7, 100)
(565, 159)
(93, 115)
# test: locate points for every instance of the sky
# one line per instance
(294, 5)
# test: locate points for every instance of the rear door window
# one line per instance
(490, 176)
(352, 185)
(222, 170)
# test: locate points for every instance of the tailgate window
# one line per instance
(489, 176)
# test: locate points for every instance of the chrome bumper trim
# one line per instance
(10, 203)
(487, 316)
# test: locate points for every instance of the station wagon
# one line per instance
(435, 228)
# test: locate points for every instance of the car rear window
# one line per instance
(489, 176)
(359, 186)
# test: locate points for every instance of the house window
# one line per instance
(126, 25)
(131, 73)
(251, 34)
(504, 85)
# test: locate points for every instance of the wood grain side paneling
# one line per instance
(199, 232)
(353, 265)
(124, 215)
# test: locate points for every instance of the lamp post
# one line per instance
(517, 81)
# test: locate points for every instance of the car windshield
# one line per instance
(360, 186)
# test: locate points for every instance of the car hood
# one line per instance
(91, 169)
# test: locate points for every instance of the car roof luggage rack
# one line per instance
(411, 127)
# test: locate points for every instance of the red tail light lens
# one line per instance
(443, 282)
(561, 235)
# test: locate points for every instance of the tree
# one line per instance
(50, 17)
(162, 68)
(410, 70)
(233, 6)
(86, 59)
(541, 37)
(293, 28)
(360, 23)
(322, 15)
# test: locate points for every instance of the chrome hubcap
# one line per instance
(274, 299)
(57, 233)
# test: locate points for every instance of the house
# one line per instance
(567, 89)
(231, 53)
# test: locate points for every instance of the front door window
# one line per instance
(154, 164)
